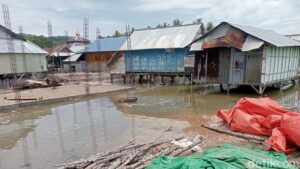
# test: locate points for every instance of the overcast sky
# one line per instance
(282, 16)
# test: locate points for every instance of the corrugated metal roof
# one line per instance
(73, 58)
(77, 48)
(106, 45)
(268, 36)
(28, 47)
(197, 46)
(294, 37)
(162, 38)
(252, 43)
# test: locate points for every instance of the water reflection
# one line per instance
(44, 136)
(173, 101)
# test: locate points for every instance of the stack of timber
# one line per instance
(131, 155)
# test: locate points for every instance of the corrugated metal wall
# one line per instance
(224, 65)
(253, 67)
(281, 63)
(35, 63)
(156, 60)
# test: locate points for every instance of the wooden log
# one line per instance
(131, 157)
(236, 134)
(115, 164)
(143, 161)
(111, 157)
(90, 166)
(100, 156)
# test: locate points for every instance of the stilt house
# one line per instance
(242, 55)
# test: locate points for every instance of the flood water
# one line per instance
(40, 137)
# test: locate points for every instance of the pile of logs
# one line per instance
(31, 84)
(132, 155)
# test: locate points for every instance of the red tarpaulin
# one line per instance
(265, 116)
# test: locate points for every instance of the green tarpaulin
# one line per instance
(226, 157)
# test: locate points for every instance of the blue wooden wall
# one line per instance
(155, 60)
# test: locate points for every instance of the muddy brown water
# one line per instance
(41, 137)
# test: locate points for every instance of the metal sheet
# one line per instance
(35, 63)
(268, 36)
(76, 48)
(252, 43)
(224, 66)
(216, 33)
(157, 60)
(163, 38)
(294, 37)
(281, 63)
(106, 45)
(253, 68)
(197, 46)
(225, 29)
(28, 47)
(73, 58)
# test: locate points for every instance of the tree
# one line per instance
(199, 21)
(165, 25)
(118, 34)
(209, 26)
(177, 22)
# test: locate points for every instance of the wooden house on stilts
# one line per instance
(241, 55)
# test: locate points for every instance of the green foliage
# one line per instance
(45, 42)
(209, 26)
(118, 34)
(177, 22)
(199, 21)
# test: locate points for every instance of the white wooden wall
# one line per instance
(280, 64)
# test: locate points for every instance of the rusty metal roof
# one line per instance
(163, 38)
(268, 36)
(255, 37)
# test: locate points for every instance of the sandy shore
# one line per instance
(57, 94)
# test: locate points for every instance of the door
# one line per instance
(238, 67)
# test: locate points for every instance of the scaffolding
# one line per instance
(24, 60)
(11, 51)
(49, 26)
(86, 36)
(98, 40)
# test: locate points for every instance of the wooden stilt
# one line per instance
(228, 88)
(172, 79)
(111, 78)
(140, 79)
